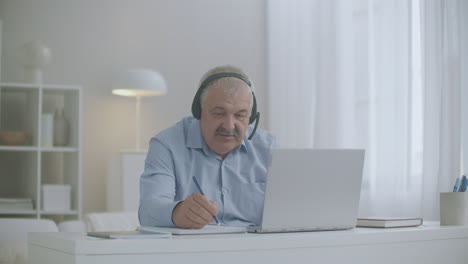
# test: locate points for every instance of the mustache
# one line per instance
(224, 132)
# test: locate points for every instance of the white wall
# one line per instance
(90, 40)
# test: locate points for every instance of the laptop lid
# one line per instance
(312, 189)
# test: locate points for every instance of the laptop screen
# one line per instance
(313, 188)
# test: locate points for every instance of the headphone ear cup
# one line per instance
(196, 104)
(254, 113)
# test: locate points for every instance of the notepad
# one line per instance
(130, 234)
(209, 229)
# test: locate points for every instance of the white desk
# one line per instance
(429, 244)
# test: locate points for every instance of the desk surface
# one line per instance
(80, 244)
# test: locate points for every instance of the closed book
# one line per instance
(389, 222)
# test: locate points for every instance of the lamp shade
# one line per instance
(139, 82)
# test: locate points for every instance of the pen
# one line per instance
(457, 183)
(463, 184)
(201, 192)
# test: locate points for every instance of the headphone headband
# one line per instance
(224, 75)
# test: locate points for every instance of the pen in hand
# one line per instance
(201, 192)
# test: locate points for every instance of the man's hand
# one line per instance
(196, 211)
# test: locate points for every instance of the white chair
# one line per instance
(72, 226)
(14, 237)
(112, 221)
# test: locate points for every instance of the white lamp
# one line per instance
(138, 83)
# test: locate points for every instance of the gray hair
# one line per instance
(230, 90)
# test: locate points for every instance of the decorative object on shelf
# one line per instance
(56, 197)
(13, 138)
(61, 128)
(47, 130)
(34, 56)
(138, 83)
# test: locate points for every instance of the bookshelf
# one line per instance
(27, 166)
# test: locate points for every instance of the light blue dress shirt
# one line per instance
(179, 153)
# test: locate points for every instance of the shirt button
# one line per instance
(224, 190)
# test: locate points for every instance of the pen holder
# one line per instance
(453, 208)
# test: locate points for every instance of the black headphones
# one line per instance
(196, 104)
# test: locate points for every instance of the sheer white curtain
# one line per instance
(355, 74)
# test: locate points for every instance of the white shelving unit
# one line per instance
(24, 169)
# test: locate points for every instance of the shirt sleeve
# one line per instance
(157, 187)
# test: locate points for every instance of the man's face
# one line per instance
(224, 118)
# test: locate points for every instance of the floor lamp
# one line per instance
(139, 83)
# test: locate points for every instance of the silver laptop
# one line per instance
(312, 190)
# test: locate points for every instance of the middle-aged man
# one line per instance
(209, 168)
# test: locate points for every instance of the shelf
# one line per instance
(17, 211)
(31, 212)
(43, 149)
(71, 212)
(37, 86)
(58, 149)
(18, 148)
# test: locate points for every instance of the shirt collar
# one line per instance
(195, 138)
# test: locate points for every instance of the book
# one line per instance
(129, 234)
(209, 229)
(389, 222)
(16, 204)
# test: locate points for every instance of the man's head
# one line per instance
(226, 106)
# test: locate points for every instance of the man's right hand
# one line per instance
(196, 211)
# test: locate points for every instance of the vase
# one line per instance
(34, 56)
(61, 128)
